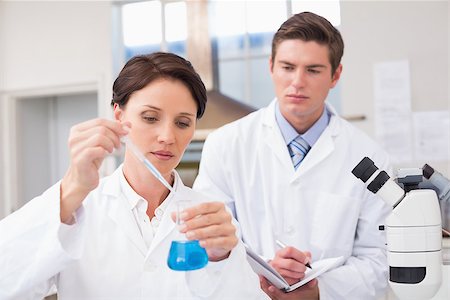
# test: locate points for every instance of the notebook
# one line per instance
(261, 267)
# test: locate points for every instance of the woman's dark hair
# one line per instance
(307, 26)
(140, 70)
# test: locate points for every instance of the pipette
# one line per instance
(146, 162)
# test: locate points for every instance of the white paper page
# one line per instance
(432, 136)
(263, 268)
(392, 88)
(392, 96)
(318, 268)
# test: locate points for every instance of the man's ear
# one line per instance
(270, 64)
(118, 112)
(336, 76)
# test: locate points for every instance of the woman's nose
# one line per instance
(166, 135)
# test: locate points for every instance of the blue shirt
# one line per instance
(311, 135)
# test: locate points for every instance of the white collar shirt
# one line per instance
(138, 206)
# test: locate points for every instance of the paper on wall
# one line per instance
(392, 94)
(432, 136)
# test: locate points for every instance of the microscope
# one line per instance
(414, 227)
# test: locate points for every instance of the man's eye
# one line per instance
(287, 68)
(313, 71)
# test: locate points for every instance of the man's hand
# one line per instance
(309, 291)
(290, 263)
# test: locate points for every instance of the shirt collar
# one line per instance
(131, 196)
(135, 200)
(311, 135)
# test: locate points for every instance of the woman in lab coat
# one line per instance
(110, 238)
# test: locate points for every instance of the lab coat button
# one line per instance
(159, 212)
(150, 267)
(155, 222)
(290, 229)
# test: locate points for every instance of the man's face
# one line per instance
(301, 73)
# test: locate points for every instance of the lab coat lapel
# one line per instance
(321, 149)
(167, 225)
(119, 211)
(164, 229)
(273, 138)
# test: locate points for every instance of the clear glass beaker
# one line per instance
(185, 255)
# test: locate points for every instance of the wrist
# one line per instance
(71, 198)
(218, 255)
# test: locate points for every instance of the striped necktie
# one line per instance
(298, 148)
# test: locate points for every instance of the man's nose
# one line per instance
(298, 80)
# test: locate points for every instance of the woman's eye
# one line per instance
(182, 124)
(150, 119)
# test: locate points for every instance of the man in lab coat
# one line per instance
(311, 202)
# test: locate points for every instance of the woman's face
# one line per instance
(163, 118)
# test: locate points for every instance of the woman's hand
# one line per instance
(211, 224)
(89, 143)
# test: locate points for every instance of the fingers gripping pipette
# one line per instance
(129, 144)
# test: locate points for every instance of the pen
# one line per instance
(282, 245)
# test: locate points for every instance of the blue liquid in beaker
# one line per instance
(186, 256)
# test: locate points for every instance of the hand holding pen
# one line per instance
(290, 262)
(282, 245)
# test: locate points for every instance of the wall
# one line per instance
(44, 124)
(2, 76)
(377, 31)
(55, 43)
(386, 31)
(53, 46)
(69, 110)
(33, 148)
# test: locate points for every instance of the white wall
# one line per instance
(378, 31)
(2, 167)
(55, 43)
(2, 76)
(33, 144)
(68, 111)
(48, 47)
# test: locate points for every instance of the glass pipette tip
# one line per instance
(146, 162)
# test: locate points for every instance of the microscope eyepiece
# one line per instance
(427, 171)
(364, 169)
(380, 183)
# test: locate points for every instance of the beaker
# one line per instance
(185, 255)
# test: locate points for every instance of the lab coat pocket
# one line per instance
(334, 223)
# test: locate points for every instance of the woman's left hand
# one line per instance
(211, 224)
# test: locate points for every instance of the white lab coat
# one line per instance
(321, 207)
(103, 256)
